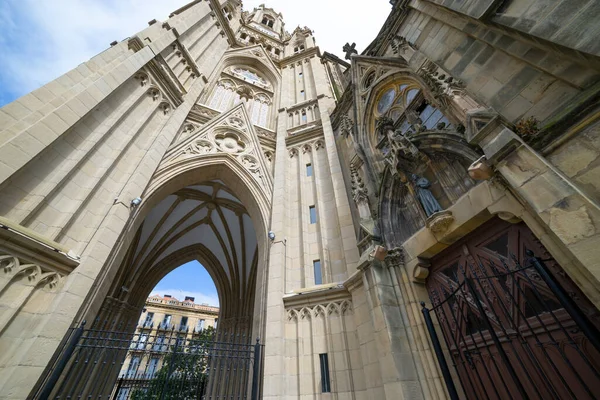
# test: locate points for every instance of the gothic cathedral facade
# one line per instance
(418, 221)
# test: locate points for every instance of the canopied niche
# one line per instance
(419, 154)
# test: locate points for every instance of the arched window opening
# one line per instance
(303, 118)
(406, 106)
(260, 110)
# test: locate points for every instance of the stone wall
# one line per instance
(515, 75)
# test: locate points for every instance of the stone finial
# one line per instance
(349, 49)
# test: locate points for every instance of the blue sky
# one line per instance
(190, 279)
(43, 39)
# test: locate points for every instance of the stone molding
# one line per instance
(231, 134)
(334, 308)
(306, 147)
(25, 243)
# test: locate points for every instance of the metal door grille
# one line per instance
(512, 331)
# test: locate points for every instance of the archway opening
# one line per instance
(204, 222)
(201, 223)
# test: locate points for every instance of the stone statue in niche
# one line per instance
(426, 198)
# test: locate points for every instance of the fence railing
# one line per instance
(112, 364)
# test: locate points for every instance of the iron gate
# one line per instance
(164, 363)
(512, 331)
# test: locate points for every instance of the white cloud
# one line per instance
(199, 298)
(42, 39)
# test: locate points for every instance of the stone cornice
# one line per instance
(354, 281)
(308, 53)
(321, 294)
(303, 104)
(196, 308)
(313, 132)
(33, 247)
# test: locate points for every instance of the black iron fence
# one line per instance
(154, 364)
(512, 331)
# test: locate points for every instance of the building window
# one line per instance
(309, 170)
(149, 318)
(243, 36)
(183, 324)
(166, 322)
(277, 51)
(200, 325)
(295, 49)
(152, 366)
(300, 74)
(318, 274)
(159, 343)
(133, 366)
(313, 214)
(216, 322)
(303, 116)
(268, 21)
(302, 94)
(325, 380)
(123, 393)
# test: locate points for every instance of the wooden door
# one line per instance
(486, 281)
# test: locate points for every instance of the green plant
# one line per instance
(527, 127)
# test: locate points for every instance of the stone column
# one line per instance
(397, 365)
(274, 373)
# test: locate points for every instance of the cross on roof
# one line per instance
(349, 50)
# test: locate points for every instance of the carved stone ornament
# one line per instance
(399, 44)
(383, 124)
(379, 253)
(439, 82)
(346, 126)
(395, 257)
(440, 221)
(480, 170)
(421, 271)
